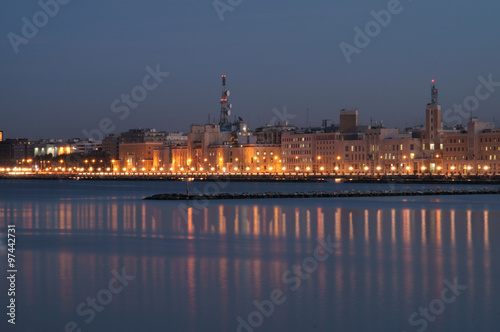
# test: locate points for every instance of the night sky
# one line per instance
(276, 53)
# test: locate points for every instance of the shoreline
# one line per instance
(311, 178)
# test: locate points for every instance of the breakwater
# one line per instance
(323, 194)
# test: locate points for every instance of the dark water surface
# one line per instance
(201, 266)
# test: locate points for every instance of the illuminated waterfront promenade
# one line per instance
(254, 177)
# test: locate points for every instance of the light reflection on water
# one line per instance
(200, 268)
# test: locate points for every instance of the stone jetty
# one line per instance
(323, 194)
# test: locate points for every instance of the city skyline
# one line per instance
(275, 55)
(277, 116)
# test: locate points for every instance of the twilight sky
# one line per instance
(66, 77)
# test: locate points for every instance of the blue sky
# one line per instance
(275, 54)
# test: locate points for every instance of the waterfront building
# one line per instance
(138, 157)
(474, 150)
(111, 145)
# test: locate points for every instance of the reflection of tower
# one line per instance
(225, 107)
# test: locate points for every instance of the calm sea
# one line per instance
(94, 256)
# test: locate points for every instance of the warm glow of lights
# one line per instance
(248, 168)
(404, 157)
(321, 168)
(393, 168)
(407, 168)
(236, 168)
(423, 168)
(437, 156)
(319, 157)
(338, 157)
(283, 168)
(308, 168)
(379, 168)
(452, 168)
(469, 167)
(336, 168)
(350, 168)
(296, 168)
(439, 168)
(258, 168)
(201, 168)
(212, 169)
(366, 168)
(486, 168)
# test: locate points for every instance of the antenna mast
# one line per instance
(434, 94)
(225, 111)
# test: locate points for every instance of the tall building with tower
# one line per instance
(433, 123)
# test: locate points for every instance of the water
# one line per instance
(199, 266)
